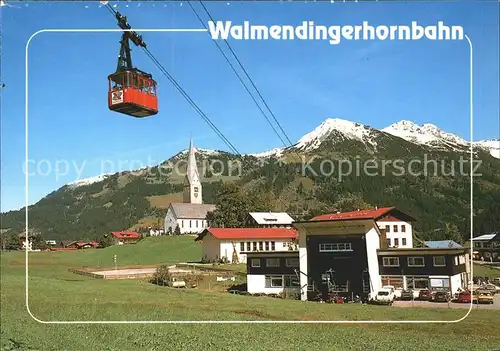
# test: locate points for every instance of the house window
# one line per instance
(388, 242)
(403, 228)
(456, 260)
(249, 247)
(267, 245)
(417, 283)
(416, 262)
(292, 262)
(261, 246)
(182, 223)
(395, 228)
(335, 247)
(196, 224)
(274, 281)
(461, 259)
(280, 281)
(439, 261)
(254, 246)
(242, 246)
(396, 242)
(255, 262)
(390, 261)
(272, 262)
(273, 247)
(396, 282)
(403, 241)
(387, 228)
(291, 281)
(190, 224)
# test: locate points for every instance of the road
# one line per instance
(428, 304)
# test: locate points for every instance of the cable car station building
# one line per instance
(348, 254)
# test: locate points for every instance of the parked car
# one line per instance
(483, 298)
(464, 297)
(424, 294)
(441, 296)
(496, 281)
(384, 297)
(492, 288)
(406, 295)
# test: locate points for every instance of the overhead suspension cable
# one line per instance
(247, 75)
(239, 77)
(185, 95)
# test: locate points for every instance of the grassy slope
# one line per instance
(56, 294)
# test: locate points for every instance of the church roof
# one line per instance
(192, 168)
(191, 211)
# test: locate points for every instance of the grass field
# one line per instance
(58, 295)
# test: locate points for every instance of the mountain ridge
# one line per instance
(426, 134)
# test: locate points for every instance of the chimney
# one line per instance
(376, 207)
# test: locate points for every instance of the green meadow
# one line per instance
(55, 294)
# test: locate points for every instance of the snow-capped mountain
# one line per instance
(430, 135)
(427, 134)
(492, 145)
(348, 129)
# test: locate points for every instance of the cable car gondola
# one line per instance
(130, 90)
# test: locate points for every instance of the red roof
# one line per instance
(250, 233)
(362, 214)
(126, 235)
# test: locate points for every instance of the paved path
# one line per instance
(131, 271)
(427, 304)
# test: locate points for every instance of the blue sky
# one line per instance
(304, 82)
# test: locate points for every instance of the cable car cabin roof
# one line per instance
(118, 77)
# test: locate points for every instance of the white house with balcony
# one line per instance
(397, 224)
(229, 243)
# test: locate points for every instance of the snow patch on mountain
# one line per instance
(348, 129)
(430, 135)
(493, 146)
(276, 152)
(90, 180)
(427, 134)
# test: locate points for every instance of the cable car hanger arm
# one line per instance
(125, 57)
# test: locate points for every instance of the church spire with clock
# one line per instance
(192, 185)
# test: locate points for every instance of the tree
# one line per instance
(177, 230)
(105, 241)
(37, 242)
(233, 205)
(451, 232)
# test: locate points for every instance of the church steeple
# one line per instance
(192, 184)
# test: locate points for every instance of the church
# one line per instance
(189, 215)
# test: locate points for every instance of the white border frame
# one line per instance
(471, 106)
